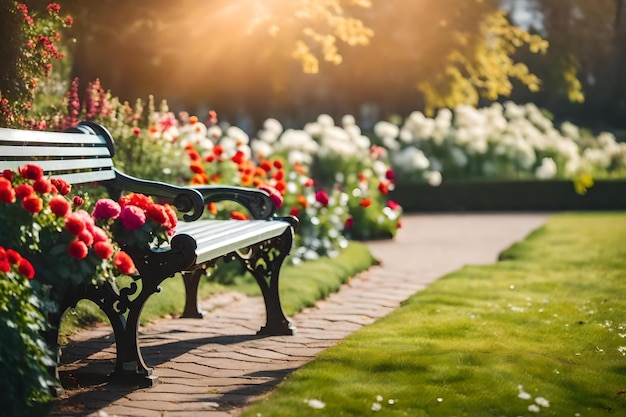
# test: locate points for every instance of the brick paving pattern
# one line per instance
(215, 366)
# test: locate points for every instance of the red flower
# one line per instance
(349, 222)
(294, 211)
(42, 186)
(99, 235)
(26, 268)
(133, 217)
(321, 197)
(32, 204)
(136, 131)
(86, 237)
(390, 175)
(61, 185)
(8, 174)
(124, 263)
(54, 8)
(103, 249)
(4, 266)
(78, 249)
(7, 194)
(366, 202)
(196, 168)
(60, 206)
(74, 224)
(278, 164)
(266, 165)
(24, 190)
(237, 215)
(238, 157)
(13, 256)
(78, 201)
(383, 187)
(106, 208)
(279, 175)
(157, 213)
(31, 171)
(140, 200)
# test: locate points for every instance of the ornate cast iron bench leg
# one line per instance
(264, 261)
(124, 311)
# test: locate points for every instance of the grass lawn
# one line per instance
(542, 332)
(300, 286)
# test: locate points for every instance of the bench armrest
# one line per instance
(186, 199)
(257, 202)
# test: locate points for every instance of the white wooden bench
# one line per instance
(84, 154)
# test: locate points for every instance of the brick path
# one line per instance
(213, 367)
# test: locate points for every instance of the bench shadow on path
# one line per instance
(85, 366)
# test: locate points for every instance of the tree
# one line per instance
(588, 45)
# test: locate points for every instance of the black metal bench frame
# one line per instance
(83, 154)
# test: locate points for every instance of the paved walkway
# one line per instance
(215, 366)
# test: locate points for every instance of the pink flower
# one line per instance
(321, 197)
(106, 208)
(275, 196)
(393, 205)
(132, 217)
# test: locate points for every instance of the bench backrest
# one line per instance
(80, 155)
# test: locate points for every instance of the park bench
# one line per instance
(83, 155)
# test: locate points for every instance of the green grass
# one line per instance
(548, 320)
(300, 286)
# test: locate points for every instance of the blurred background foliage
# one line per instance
(293, 60)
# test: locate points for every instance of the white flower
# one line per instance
(434, 178)
(238, 135)
(385, 129)
(313, 129)
(348, 120)
(410, 159)
(542, 402)
(325, 120)
(261, 149)
(214, 132)
(534, 408)
(546, 170)
(273, 125)
(376, 407)
(316, 404)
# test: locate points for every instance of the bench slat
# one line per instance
(63, 165)
(54, 152)
(216, 238)
(86, 177)
(47, 137)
